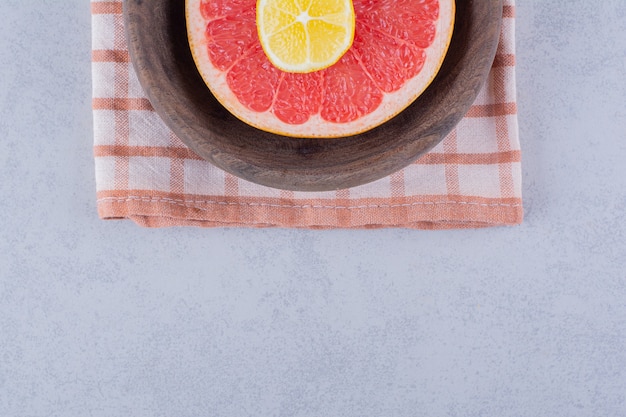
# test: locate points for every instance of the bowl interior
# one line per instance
(160, 53)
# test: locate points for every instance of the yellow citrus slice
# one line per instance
(305, 35)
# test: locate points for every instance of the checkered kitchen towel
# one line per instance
(145, 173)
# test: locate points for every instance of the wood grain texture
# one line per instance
(160, 53)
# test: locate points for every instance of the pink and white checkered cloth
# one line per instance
(145, 173)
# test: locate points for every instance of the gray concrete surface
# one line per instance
(107, 319)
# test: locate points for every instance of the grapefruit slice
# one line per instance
(398, 48)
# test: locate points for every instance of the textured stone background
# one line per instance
(105, 319)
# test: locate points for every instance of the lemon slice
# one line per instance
(305, 35)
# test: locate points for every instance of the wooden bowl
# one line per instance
(157, 41)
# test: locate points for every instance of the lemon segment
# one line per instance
(305, 35)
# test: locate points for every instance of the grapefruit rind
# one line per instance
(392, 103)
